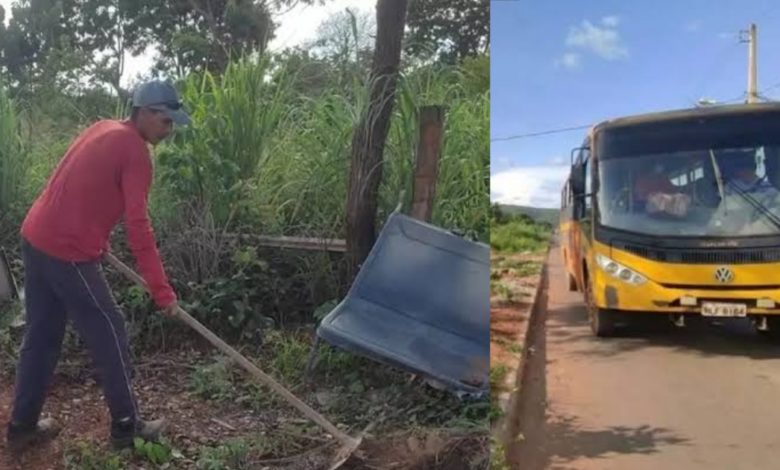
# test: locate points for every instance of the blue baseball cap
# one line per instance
(161, 96)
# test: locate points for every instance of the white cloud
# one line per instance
(610, 21)
(300, 23)
(603, 41)
(569, 60)
(537, 186)
(140, 64)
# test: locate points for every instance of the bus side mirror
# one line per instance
(578, 152)
(577, 180)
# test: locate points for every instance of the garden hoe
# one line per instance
(349, 443)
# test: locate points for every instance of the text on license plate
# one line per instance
(714, 309)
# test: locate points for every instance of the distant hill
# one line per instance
(538, 214)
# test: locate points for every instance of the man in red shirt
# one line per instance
(104, 176)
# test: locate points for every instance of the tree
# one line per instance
(198, 34)
(311, 75)
(449, 30)
(497, 215)
(345, 36)
(368, 141)
(339, 54)
(71, 45)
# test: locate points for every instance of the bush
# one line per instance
(518, 236)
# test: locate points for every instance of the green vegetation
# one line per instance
(538, 214)
(232, 455)
(268, 153)
(517, 233)
(83, 455)
(357, 391)
(264, 158)
(497, 375)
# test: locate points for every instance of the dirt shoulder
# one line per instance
(514, 281)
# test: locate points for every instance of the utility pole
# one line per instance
(752, 91)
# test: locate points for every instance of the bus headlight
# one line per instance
(618, 271)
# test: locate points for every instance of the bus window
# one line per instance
(588, 187)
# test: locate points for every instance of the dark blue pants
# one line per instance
(56, 291)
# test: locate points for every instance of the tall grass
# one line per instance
(302, 189)
(261, 155)
(461, 200)
(213, 162)
(11, 156)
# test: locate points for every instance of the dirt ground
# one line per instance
(75, 401)
(508, 318)
(77, 405)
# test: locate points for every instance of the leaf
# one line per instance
(357, 387)
(160, 453)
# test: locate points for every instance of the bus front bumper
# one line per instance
(653, 297)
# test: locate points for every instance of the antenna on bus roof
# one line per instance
(702, 102)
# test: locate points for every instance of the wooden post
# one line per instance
(368, 141)
(426, 171)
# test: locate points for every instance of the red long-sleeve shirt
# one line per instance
(105, 175)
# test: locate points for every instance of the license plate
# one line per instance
(713, 309)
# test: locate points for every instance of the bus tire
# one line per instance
(572, 283)
(773, 333)
(602, 321)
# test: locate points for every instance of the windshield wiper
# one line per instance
(719, 180)
(756, 204)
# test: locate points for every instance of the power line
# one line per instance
(534, 134)
(577, 128)
(735, 99)
(771, 87)
(711, 72)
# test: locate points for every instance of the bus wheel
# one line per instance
(602, 322)
(774, 328)
(572, 283)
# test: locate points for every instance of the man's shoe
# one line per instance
(124, 432)
(21, 437)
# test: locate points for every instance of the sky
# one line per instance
(295, 27)
(564, 64)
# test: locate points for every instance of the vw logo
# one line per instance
(724, 275)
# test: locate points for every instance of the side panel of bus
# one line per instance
(567, 234)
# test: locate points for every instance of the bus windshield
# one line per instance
(692, 182)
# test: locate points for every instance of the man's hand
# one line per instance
(106, 250)
(171, 310)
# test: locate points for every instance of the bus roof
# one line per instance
(679, 114)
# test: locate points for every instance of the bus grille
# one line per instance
(708, 256)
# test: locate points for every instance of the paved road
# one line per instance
(706, 397)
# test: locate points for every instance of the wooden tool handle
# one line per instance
(243, 361)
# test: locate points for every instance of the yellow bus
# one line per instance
(677, 213)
